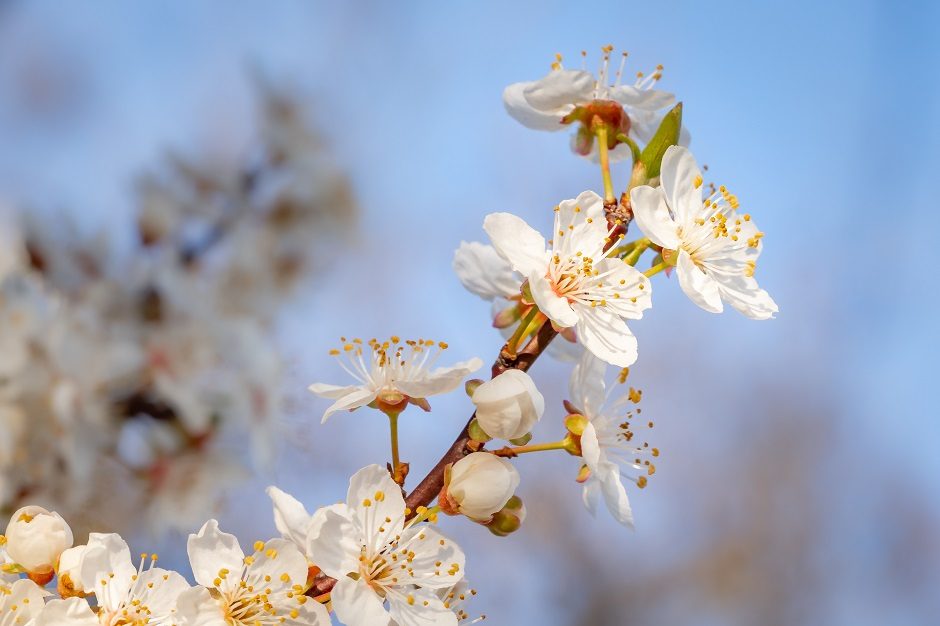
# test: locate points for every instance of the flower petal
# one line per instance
(517, 242)
(430, 547)
(197, 607)
(332, 392)
(373, 495)
(519, 108)
(632, 97)
(290, 516)
(551, 304)
(606, 336)
(212, 550)
(652, 216)
(590, 495)
(678, 176)
(356, 604)
(590, 447)
(484, 272)
(420, 607)
(73, 611)
(335, 547)
(586, 386)
(560, 88)
(440, 380)
(615, 496)
(355, 398)
(701, 288)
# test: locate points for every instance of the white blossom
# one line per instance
(385, 568)
(393, 372)
(717, 249)
(609, 444)
(480, 484)
(509, 405)
(35, 538)
(565, 96)
(20, 603)
(145, 595)
(577, 282)
(265, 588)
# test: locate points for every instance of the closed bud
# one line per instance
(509, 519)
(35, 539)
(508, 406)
(507, 317)
(479, 485)
(69, 572)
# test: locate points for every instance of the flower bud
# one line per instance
(509, 519)
(509, 405)
(69, 572)
(478, 486)
(35, 539)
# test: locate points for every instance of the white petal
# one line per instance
(590, 448)
(356, 604)
(211, 550)
(290, 516)
(425, 609)
(586, 385)
(590, 494)
(615, 496)
(484, 272)
(551, 304)
(441, 380)
(517, 242)
(678, 176)
(701, 288)
(335, 546)
(606, 336)
(652, 216)
(109, 554)
(431, 547)
(73, 612)
(519, 108)
(196, 607)
(278, 565)
(560, 88)
(644, 99)
(332, 392)
(373, 485)
(357, 397)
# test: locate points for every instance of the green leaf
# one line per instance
(666, 135)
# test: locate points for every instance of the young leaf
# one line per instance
(666, 135)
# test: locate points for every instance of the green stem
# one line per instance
(639, 248)
(517, 336)
(601, 132)
(634, 149)
(393, 428)
(535, 447)
(656, 269)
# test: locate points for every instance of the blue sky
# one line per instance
(822, 117)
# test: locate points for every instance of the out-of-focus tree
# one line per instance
(141, 382)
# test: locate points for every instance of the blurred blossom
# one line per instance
(148, 370)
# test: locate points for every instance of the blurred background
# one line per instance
(800, 477)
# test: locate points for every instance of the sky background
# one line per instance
(823, 118)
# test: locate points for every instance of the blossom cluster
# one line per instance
(131, 364)
(378, 558)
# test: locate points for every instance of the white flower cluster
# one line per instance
(388, 566)
(377, 558)
(129, 368)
